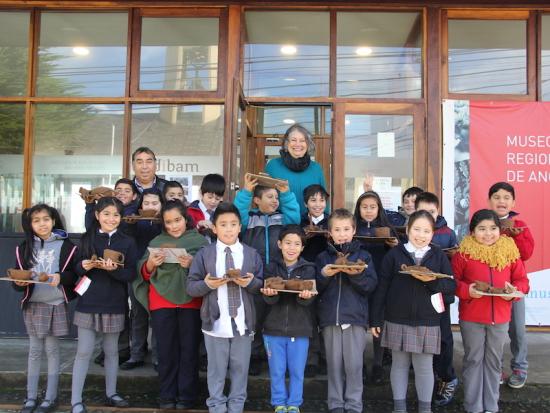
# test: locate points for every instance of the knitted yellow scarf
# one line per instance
(499, 255)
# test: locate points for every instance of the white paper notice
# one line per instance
(83, 285)
(386, 144)
(381, 183)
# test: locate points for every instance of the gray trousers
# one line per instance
(36, 346)
(227, 354)
(84, 351)
(344, 351)
(423, 377)
(483, 349)
(139, 329)
(518, 338)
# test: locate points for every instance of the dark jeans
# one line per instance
(443, 362)
(178, 332)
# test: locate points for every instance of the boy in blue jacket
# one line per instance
(343, 313)
(260, 230)
(444, 237)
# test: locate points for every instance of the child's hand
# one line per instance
(328, 271)
(269, 291)
(88, 265)
(243, 281)
(214, 282)
(185, 260)
(375, 331)
(353, 271)
(282, 187)
(392, 242)
(154, 261)
(473, 292)
(54, 279)
(21, 283)
(108, 265)
(305, 294)
(250, 182)
(515, 231)
(205, 224)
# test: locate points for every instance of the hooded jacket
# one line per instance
(261, 231)
(67, 263)
(289, 315)
(401, 298)
(343, 298)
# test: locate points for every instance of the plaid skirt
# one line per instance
(101, 323)
(419, 339)
(43, 319)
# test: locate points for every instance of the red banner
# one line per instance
(510, 141)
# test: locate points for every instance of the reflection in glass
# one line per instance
(75, 145)
(488, 56)
(276, 120)
(379, 55)
(545, 57)
(187, 141)
(14, 44)
(179, 53)
(12, 133)
(82, 54)
(379, 152)
(287, 53)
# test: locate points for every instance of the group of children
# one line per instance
(191, 297)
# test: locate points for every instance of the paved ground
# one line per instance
(140, 385)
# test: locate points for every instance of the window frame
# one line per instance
(528, 16)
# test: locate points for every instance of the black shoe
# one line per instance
(100, 359)
(46, 406)
(167, 404)
(123, 357)
(82, 408)
(255, 368)
(131, 364)
(116, 400)
(29, 405)
(377, 375)
(445, 392)
(310, 371)
(185, 404)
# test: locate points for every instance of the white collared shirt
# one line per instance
(318, 219)
(108, 233)
(417, 252)
(205, 212)
(222, 326)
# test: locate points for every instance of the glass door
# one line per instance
(377, 147)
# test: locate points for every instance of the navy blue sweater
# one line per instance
(343, 298)
(108, 291)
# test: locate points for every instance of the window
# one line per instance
(287, 53)
(75, 145)
(187, 140)
(82, 54)
(545, 57)
(179, 53)
(14, 51)
(487, 56)
(379, 155)
(379, 55)
(12, 132)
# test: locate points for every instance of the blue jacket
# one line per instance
(145, 231)
(343, 298)
(397, 218)
(376, 250)
(444, 237)
(261, 231)
(316, 244)
(297, 181)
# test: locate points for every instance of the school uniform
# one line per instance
(343, 317)
(228, 322)
(484, 321)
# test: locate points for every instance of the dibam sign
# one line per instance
(487, 142)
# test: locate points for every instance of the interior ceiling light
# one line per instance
(288, 49)
(81, 51)
(289, 121)
(363, 51)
